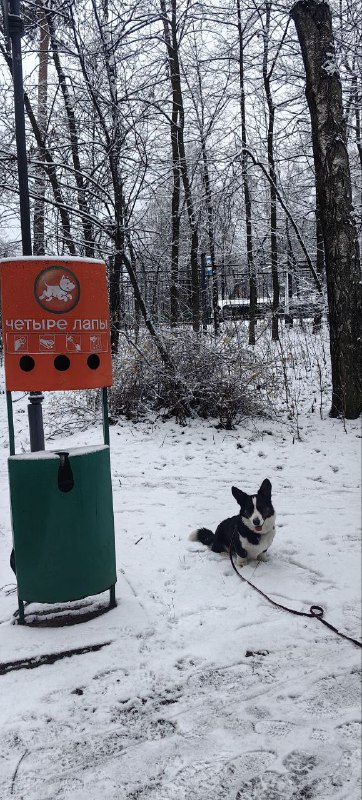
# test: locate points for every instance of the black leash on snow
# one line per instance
(315, 612)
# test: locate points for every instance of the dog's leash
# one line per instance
(315, 612)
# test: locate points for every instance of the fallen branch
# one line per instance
(26, 753)
(49, 658)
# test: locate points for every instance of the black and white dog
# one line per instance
(250, 533)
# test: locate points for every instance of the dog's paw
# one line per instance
(241, 561)
(262, 557)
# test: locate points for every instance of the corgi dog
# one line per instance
(250, 533)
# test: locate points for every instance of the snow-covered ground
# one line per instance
(202, 691)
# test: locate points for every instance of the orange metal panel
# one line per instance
(55, 323)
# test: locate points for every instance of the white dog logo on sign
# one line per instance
(62, 290)
(57, 289)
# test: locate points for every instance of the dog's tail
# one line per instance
(202, 535)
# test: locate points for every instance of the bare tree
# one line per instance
(69, 104)
(245, 178)
(172, 45)
(268, 69)
(313, 22)
(206, 119)
(40, 179)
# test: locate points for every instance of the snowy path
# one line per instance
(174, 708)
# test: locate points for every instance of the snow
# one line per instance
(205, 690)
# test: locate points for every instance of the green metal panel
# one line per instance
(63, 541)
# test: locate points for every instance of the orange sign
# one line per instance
(55, 323)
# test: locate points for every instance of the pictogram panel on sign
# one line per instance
(55, 323)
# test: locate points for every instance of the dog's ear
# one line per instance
(266, 489)
(240, 496)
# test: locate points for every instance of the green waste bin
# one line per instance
(63, 529)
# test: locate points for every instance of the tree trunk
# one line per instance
(74, 141)
(357, 100)
(40, 180)
(205, 130)
(115, 309)
(317, 321)
(175, 78)
(211, 236)
(334, 196)
(273, 178)
(175, 218)
(253, 297)
(48, 165)
(291, 269)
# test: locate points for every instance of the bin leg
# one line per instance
(105, 415)
(112, 596)
(21, 612)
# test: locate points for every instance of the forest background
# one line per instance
(174, 141)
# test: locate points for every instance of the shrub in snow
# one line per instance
(71, 411)
(211, 379)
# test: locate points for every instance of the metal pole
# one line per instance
(35, 417)
(112, 596)
(9, 404)
(16, 29)
(105, 415)
(21, 611)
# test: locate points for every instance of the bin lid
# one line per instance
(73, 452)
